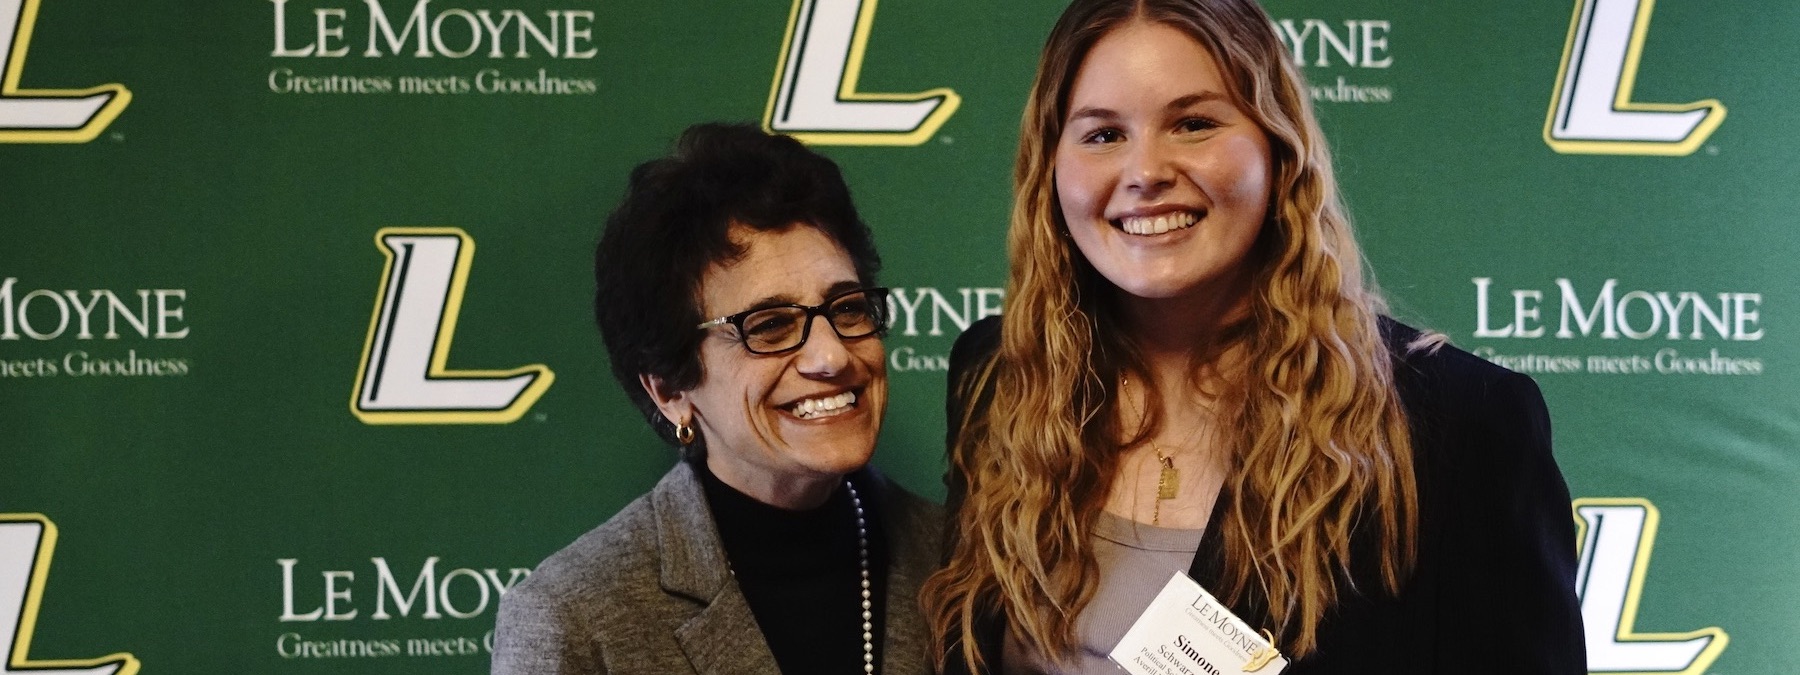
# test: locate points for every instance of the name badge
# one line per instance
(1186, 631)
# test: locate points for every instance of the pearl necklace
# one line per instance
(862, 552)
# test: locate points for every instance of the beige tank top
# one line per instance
(1135, 562)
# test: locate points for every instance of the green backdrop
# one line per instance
(236, 238)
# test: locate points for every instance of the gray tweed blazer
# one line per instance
(649, 591)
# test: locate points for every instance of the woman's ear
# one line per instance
(674, 405)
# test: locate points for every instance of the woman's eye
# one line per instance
(850, 308)
(1196, 124)
(1107, 135)
(774, 325)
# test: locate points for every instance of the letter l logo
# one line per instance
(26, 542)
(1616, 537)
(46, 115)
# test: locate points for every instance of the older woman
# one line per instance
(737, 301)
(1193, 375)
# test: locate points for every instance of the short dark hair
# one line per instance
(674, 223)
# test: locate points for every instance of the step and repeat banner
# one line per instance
(228, 443)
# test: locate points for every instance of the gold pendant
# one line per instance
(1169, 482)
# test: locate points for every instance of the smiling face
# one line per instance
(1162, 180)
(783, 428)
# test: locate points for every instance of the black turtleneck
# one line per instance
(798, 570)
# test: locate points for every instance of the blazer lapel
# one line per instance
(723, 636)
(1209, 562)
(1208, 568)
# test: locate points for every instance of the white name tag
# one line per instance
(1186, 631)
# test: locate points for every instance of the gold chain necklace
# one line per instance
(1168, 479)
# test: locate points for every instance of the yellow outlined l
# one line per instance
(786, 87)
(1563, 122)
(82, 113)
(520, 387)
(1586, 533)
(20, 527)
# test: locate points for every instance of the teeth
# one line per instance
(1153, 225)
(814, 408)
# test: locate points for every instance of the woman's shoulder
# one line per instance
(1431, 372)
(609, 565)
(968, 391)
(614, 593)
(618, 554)
(554, 619)
(1475, 424)
(974, 346)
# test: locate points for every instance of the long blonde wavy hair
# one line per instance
(1317, 438)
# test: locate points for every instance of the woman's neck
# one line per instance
(1173, 335)
(794, 492)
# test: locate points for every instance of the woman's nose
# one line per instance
(824, 354)
(1149, 168)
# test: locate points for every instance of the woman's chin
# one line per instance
(833, 455)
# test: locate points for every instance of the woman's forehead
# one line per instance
(1144, 59)
(797, 264)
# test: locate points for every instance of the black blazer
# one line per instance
(1494, 587)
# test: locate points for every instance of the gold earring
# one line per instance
(684, 433)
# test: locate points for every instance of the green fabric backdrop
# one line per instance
(235, 238)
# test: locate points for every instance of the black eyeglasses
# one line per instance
(772, 330)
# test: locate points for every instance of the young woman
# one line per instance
(1194, 375)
